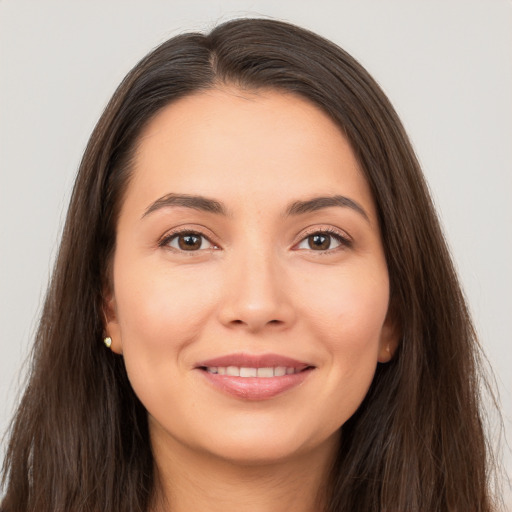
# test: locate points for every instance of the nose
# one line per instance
(257, 294)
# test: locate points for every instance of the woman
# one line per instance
(251, 237)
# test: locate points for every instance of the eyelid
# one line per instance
(164, 240)
(342, 236)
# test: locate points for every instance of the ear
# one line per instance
(389, 338)
(112, 328)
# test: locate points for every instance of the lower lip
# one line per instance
(256, 388)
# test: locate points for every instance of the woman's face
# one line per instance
(250, 288)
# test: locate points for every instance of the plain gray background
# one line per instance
(446, 66)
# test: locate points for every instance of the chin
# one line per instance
(257, 454)
(266, 446)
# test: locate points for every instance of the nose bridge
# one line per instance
(256, 294)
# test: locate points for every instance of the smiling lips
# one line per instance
(254, 377)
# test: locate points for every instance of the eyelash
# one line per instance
(167, 239)
(343, 240)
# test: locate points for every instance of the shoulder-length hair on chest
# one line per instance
(79, 440)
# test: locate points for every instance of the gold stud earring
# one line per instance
(108, 341)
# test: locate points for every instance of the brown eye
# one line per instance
(319, 242)
(322, 241)
(188, 241)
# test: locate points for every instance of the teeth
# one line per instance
(265, 372)
(235, 371)
(248, 372)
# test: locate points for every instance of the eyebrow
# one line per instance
(319, 203)
(206, 204)
(200, 203)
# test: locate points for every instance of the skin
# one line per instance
(255, 285)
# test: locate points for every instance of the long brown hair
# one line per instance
(79, 440)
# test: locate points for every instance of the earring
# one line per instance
(108, 341)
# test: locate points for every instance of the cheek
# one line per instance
(349, 307)
(160, 310)
(160, 313)
(347, 314)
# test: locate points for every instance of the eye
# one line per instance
(322, 241)
(188, 241)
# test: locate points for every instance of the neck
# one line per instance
(188, 480)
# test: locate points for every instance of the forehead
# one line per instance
(237, 144)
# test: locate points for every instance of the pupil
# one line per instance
(189, 242)
(319, 242)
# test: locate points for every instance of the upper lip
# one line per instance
(243, 360)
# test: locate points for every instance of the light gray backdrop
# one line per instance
(446, 65)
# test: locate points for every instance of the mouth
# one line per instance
(248, 372)
(251, 377)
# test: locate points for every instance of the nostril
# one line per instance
(238, 322)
